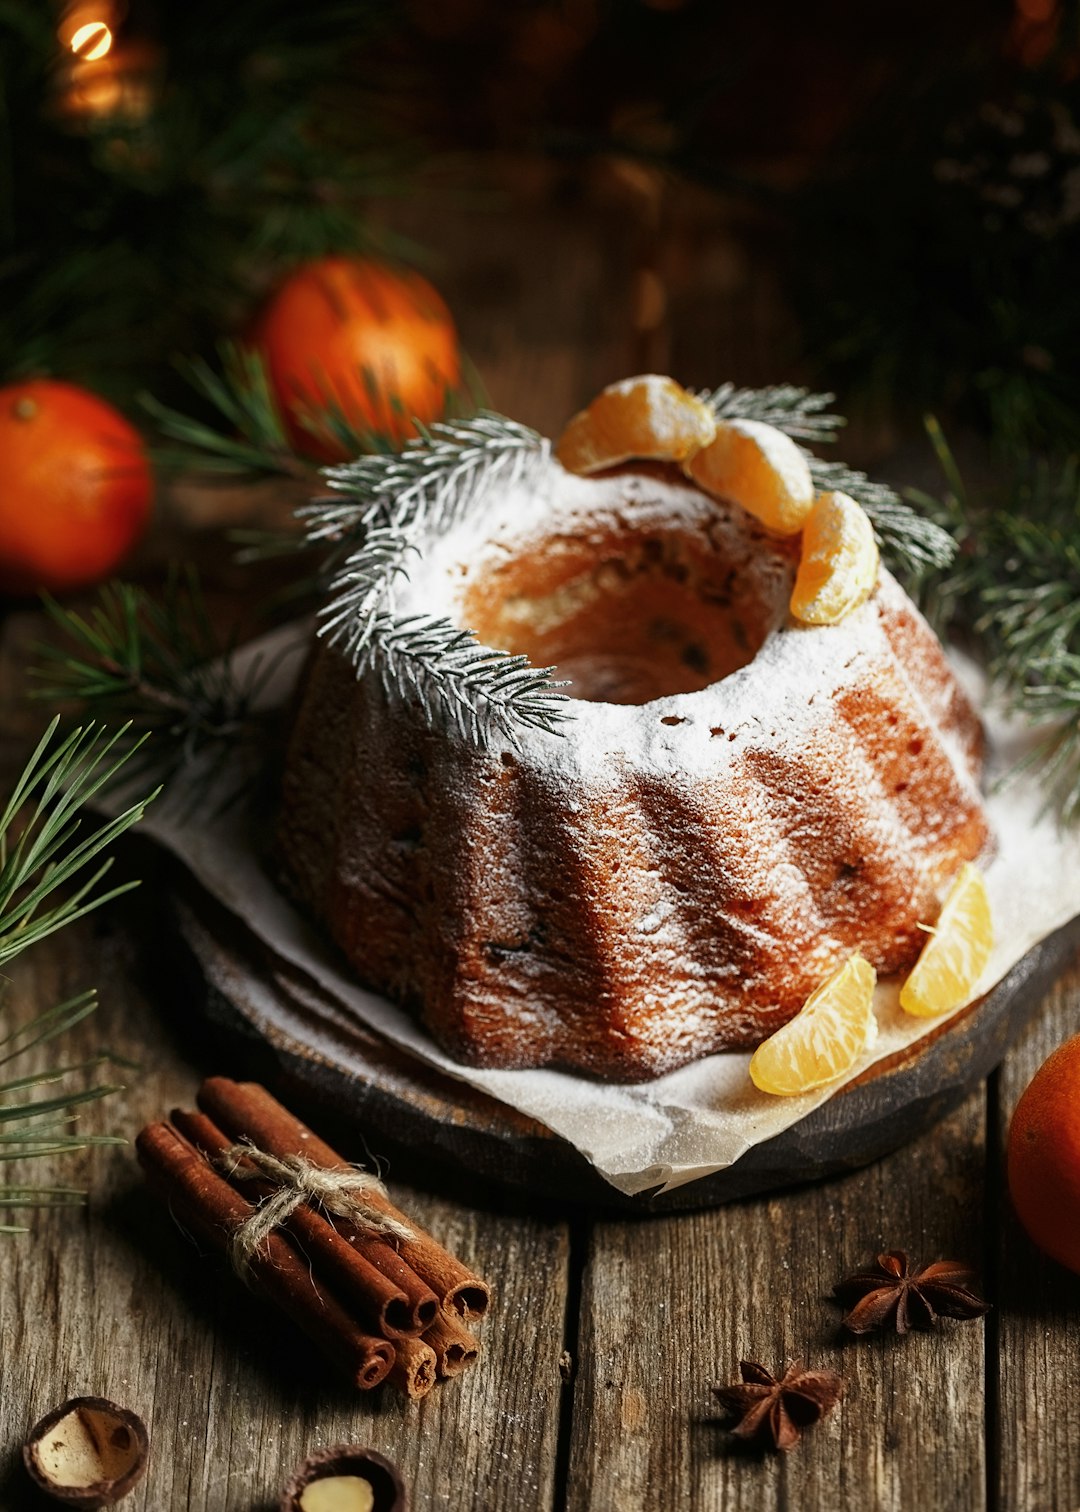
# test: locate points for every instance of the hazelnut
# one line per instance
(345, 1479)
(87, 1453)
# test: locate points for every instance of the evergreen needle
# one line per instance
(158, 665)
(51, 867)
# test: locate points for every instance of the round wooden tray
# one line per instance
(403, 1107)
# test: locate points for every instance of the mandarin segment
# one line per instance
(826, 1037)
(647, 417)
(839, 563)
(955, 955)
(760, 468)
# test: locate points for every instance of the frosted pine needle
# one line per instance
(480, 693)
(432, 482)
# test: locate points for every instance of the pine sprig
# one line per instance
(912, 544)
(800, 414)
(1051, 694)
(58, 782)
(435, 479)
(1016, 584)
(249, 436)
(362, 588)
(394, 504)
(480, 693)
(51, 873)
(158, 665)
(246, 433)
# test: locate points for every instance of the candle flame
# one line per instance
(91, 41)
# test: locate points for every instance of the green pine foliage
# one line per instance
(1014, 585)
(158, 665)
(53, 870)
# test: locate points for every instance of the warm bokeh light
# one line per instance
(91, 41)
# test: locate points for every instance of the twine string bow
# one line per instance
(344, 1192)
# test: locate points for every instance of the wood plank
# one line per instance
(1037, 1417)
(116, 1302)
(671, 1305)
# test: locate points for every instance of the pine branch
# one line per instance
(250, 436)
(1016, 584)
(246, 434)
(43, 849)
(58, 783)
(432, 482)
(394, 502)
(480, 693)
(796, 411)
(361, 590)
(159, 666)
(394, 499)
(1051, 695)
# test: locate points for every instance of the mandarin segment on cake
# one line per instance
(645, 417)
(760, 468)
(839, 563)
(740, 803)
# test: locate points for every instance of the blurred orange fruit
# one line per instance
(75, 491)
(955, 955)
(838, 566)
(760, 468)
(826, 1037)
(1044, 1156)
(374, 342)
(648, 417)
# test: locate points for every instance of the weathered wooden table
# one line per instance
(593, 1386)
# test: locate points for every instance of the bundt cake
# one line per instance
(739, 802)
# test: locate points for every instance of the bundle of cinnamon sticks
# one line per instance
(380, 1308)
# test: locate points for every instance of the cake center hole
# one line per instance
(629, 617)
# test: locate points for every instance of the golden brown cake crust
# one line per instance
(670, 877)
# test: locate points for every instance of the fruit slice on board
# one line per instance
(839, 563)
(955, 955)
(826, 1037)
(757, 466)
(648, 417)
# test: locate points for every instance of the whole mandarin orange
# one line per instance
(75, 487)
(373, 341)
(1044, 1156)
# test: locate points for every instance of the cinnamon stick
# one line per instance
(207, 1204)
(415, 1368)
(378, 1303)
(423, 1303)
(454, 1346)
(245, 1108)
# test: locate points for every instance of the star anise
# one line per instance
(776, 1411)
(897, 1291)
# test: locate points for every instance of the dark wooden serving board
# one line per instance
(399, 1105)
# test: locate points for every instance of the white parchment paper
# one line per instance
(690, 1122)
